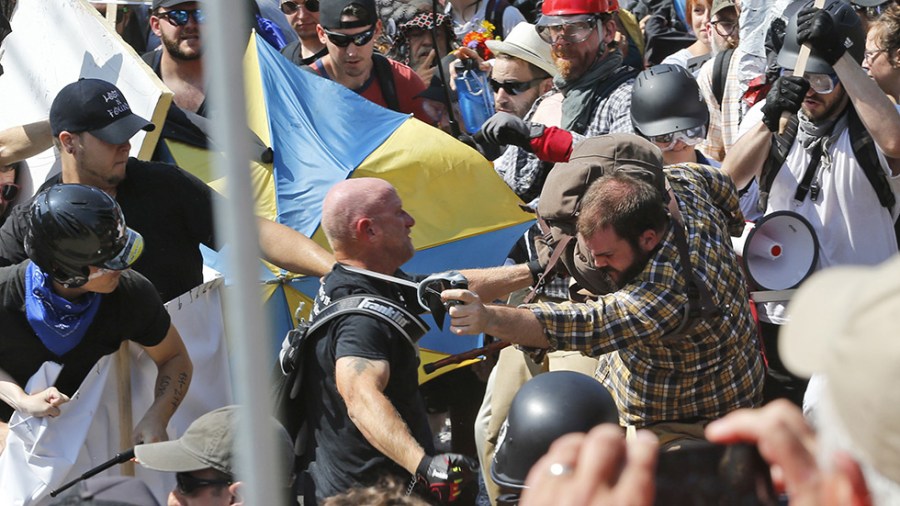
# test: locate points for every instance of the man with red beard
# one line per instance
(837, 163)
(595, 85)
(178, 61)
(303, 16)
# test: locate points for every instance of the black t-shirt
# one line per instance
(171, 208)
(132, 312)
(343, 457)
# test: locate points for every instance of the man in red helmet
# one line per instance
(595, 85)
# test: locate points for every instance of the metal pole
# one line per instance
(224, 44)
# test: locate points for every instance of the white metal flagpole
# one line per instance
(224, 45)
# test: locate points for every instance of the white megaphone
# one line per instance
(779, 251)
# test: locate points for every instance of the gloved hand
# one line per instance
(505, 128)
(817, 28)
(786, 95)
(446, 475)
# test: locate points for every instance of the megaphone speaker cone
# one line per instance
(780, 251)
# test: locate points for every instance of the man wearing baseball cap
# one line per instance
(204, 461)
(91, 124)
(349, 28)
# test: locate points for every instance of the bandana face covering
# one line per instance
(59, 323)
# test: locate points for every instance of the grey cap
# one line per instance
(209, 442)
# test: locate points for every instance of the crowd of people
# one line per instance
(639, 174)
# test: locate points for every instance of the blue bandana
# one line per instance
(59, 323)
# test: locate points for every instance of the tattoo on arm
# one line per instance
(162, 385)
(179, 390)
(360, 365)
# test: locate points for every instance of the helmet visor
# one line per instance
(134, 246)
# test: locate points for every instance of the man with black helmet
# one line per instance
(76, 300)
(837, 162)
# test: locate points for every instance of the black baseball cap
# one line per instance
(97, 107)
(167, 3)
(330, 13)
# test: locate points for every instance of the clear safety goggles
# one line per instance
(689, 136)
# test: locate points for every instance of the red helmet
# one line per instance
(575, 7)
(613, 5)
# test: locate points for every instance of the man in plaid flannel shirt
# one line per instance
(668, 380)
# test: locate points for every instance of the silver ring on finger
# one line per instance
(559, 469)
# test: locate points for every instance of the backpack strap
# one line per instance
(385, 75)
(700, 302)
(867, 157)
(554, 257)
(720, 74)
(778, 152)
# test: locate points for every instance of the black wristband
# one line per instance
(534, 267)
(422, 468)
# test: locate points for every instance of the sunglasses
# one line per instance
(823, 84)
(189, 484)
(724, 28)
(8, 192)
(572, 33)
(514, 87)
(344, 40)
(292, 7)
(689, 136)
(180, 17)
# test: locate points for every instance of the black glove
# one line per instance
(447, 474)
(787, 94)
(490, 151)
(817, 28)
(505, 128)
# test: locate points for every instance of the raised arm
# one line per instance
(173, 377)
(291, 250)
(21, 142)
(875, 109)
(361, 383)
(514, 325)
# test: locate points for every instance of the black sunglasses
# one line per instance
(514, 87)
(343, 40)
(188, 484)
(180, 17)
(8, 192)
(291, 7)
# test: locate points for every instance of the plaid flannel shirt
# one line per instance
(724, 120)
(715, 365)
(525, 173)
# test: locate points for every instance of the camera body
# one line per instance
(710, 475)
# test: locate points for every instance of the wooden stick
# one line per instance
(126, 424)
(799, 70)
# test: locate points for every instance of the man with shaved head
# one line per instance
(366, 414)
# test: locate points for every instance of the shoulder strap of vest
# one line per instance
(778, 152)
(408, 324)
(720, 73)
(385, 76)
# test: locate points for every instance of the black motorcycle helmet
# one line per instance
(846, 20)
(72, 226)
(666, 99)
(548, 406)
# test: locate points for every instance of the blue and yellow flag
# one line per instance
(322, 133)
